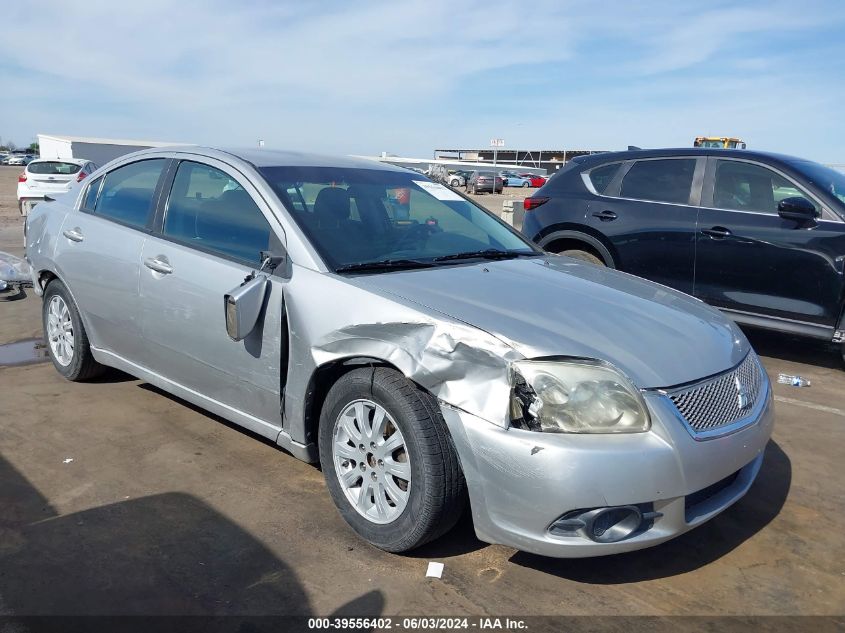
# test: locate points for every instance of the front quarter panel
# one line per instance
(332, 319)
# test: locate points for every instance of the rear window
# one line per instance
(662, 180)
(601, 176)
(53, 167)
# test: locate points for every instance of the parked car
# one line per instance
(441, 173)
(510, 179)
(760, 236)
(534, 179)
(483, 182)
(584, 411)
(19, 159)
(46, 177)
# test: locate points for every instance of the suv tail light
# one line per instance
(22, 177)
(532, 203)
(81, 175)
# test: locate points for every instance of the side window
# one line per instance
(90, 200)
(662, 180)
(601, 176)
(749, 187)
(127, 193)
(208, 209)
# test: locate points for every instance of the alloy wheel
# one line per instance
(60, 331)
(371, 461)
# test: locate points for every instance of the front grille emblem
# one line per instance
(743, 397)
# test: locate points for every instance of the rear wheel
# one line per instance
(526, 184)
(67, 342)
(388, 460)
(584, 256)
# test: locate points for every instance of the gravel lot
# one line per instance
(117, 498)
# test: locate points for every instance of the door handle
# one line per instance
(717, 232)
(158, 265)
(605, 216)
(74, 235)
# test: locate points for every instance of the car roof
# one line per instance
(277, 158)
(685, 151)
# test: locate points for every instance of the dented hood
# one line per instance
(556, 306)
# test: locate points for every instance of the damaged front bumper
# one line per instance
(524, 485)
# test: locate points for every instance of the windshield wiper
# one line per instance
(384, 264)
(490, 253)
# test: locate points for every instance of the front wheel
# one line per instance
(388, 460)
(526, 184)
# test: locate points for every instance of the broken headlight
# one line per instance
(575, 397)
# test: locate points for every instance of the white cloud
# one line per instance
(383, 75)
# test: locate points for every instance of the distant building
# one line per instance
(99, 150)
(548, 159)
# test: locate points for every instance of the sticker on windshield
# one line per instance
(437, 190)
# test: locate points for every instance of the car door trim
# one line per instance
(783, 324)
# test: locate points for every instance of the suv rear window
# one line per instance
(601, 176)
(53, 167)
(661, 180)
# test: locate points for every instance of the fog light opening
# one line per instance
(610, 525)
(605, 525)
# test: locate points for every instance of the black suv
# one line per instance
(759, 235)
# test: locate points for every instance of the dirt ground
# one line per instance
(117, 498)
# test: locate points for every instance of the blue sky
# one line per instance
(411, 76)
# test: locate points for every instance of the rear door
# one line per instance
(753, 261)
(98, 252)
(213, 228)
(647, 209)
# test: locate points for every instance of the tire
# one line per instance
(435, 493)
(455, 183)
(584, 256)
(74, 361)
(526, 184)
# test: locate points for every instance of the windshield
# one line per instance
(360, 216)
(830, 180)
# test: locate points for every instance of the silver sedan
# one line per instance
(425, 353)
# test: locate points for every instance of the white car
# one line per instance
(17, 159)
(47, 177)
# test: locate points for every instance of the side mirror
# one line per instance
(797, 208)
(243, 306)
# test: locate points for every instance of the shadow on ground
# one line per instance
(796, 349)
(168, 554)
(688, 552)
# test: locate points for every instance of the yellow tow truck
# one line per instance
(720, 142)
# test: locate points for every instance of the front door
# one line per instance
(751, 260)
(211, 236)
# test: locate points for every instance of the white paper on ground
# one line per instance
(435, 570)
(437, 190)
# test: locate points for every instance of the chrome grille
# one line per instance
(717, 402)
